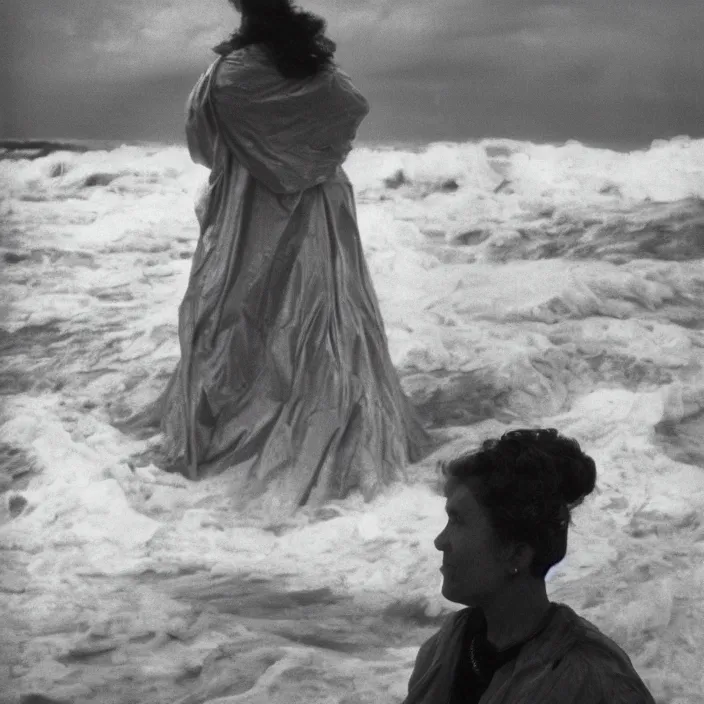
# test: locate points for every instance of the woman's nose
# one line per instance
(439, 542)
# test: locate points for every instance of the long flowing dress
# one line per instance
(285, 376)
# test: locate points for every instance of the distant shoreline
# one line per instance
(38, 148)
(34, 148)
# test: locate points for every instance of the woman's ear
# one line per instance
(518, 556)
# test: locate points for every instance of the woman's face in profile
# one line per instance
(473, 569)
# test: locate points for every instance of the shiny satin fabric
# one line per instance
(285, 378)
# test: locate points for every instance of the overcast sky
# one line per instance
(617, 72)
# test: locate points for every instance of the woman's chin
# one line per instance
(452, 592)
(449, 591)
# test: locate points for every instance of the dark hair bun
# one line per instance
(578, 479)
(574, 472)
(555, 461)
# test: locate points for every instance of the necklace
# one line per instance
(473, 658)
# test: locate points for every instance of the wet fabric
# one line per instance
(569, 662)
(285, 377)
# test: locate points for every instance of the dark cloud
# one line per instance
(463, 68)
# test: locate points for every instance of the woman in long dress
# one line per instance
(285, 375)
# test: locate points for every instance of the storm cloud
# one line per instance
(619, 73)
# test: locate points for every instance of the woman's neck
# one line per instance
(514, 614)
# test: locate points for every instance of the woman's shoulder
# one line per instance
(589, 637)
(600, 676)
(246, 56)
(256, 57)
(243, 70)
(599, 663)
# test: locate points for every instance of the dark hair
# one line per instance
(294, 39)
(528, 481)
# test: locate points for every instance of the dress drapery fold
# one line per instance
(285, 376)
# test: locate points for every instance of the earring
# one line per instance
(514, 571)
